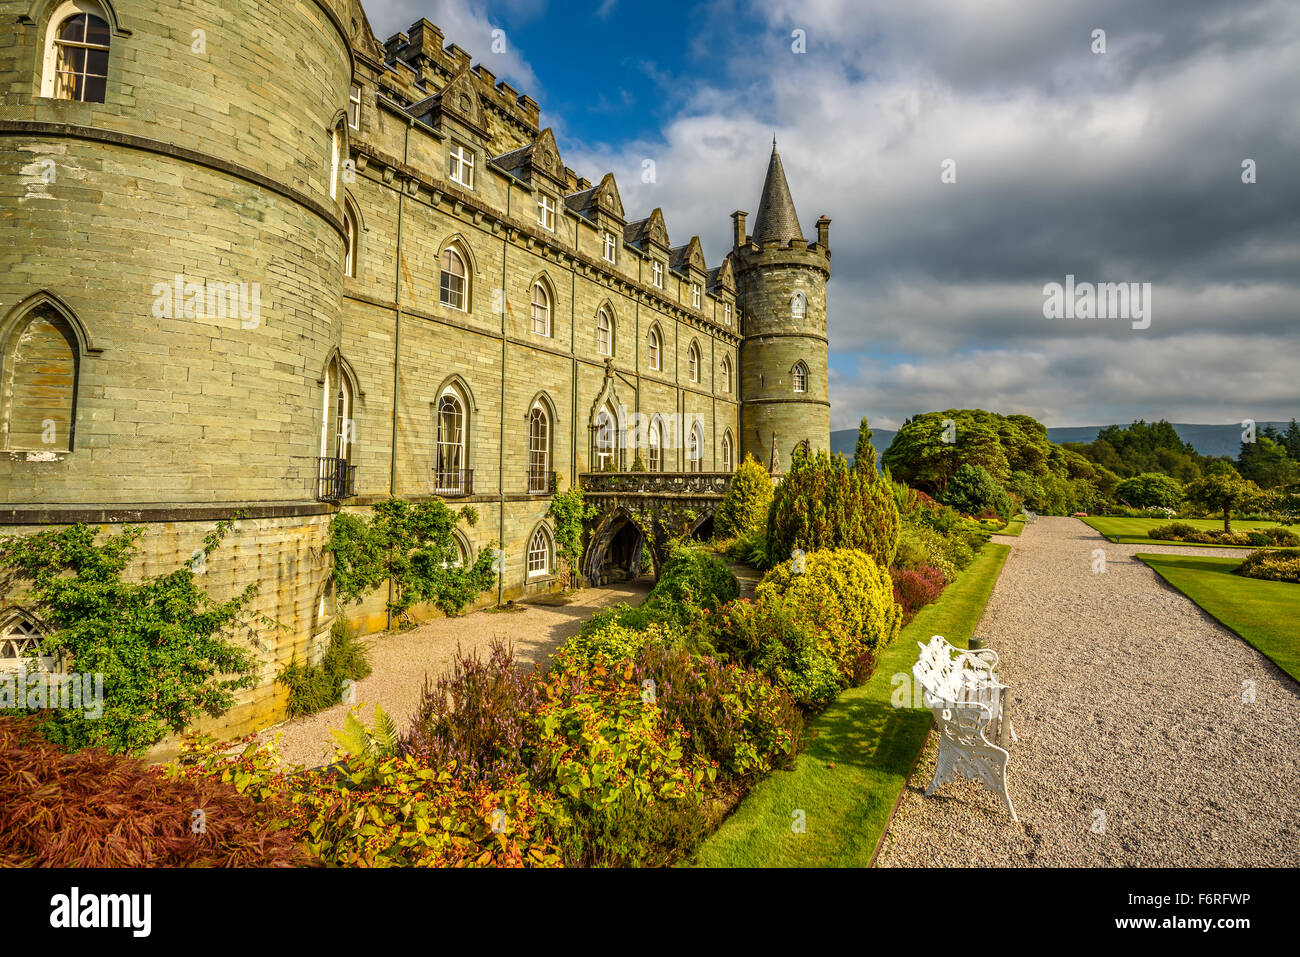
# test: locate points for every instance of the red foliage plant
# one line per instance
(90, 808)
(916, 587)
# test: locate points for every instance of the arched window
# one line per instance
(461, 558)
(604, 333)
(695, 449)
(337, 434)
(693, 362)
(336, 158)
(76, 54)
(539, 451)
(608, 440)
(539, 553)
(728, 453)
(725, 374)
(541, 310)
(656, 445)
(38, 388)
(20, 645)
(798, 306)
(454, 288)
(350, 244)
(652, 349)
(450, 474)
(799, 375)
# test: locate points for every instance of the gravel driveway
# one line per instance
(400, 660)
(1136, 747)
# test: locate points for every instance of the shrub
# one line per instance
(973, 490)
(1271, 565)
(844, 595)
(1150, 490)
(1182, 532)
(691, 578)
(822, 503)
(919, 545)
(314, 688)
(163, 645)
(90, 808)
(476, 718)
(743, 509)
(1173, 532)
(768, 638)
(731, 715)
(750, 549)
(916, 587)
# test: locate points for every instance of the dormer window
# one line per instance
(354, 106)
(610, 251)
(546, 212)
(460, 166)
(695, 295)
(657, 274)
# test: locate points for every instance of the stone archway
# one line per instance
(614, 550)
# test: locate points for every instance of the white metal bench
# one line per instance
(1030, 517)
(962, 689)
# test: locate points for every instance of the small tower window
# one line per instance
(76, 55)
(610, 251)
(695, 295)
(726, 313)
(350, 244)
(798, 306)
(657, 274)
(799, 375)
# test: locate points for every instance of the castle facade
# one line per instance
(266, 263)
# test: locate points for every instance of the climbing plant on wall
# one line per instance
(571, 511)
(413, 545)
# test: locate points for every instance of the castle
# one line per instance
(270, 264)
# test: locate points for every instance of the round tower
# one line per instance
(171, 274)
(781, 291)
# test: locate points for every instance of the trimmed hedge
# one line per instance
(1271, 565)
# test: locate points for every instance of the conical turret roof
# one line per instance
(776, 219)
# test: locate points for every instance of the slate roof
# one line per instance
(776, 219)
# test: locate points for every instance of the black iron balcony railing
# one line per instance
(704, 484)
(335, 480)
(453, 481)
(540, 482)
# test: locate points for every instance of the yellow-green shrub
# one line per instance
(743, 510)
(845, 595)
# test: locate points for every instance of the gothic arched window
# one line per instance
(38, 392)
(539, 450)
(76, 53)
(604, 333)
(799, 376)
(450, 474)
(798, 306)
(539, 553)
(541, 310)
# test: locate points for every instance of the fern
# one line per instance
(357, 741)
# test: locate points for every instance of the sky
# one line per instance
(968, 155)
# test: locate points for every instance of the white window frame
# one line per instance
(50, 63)
(460, 159)
(350, 245)
(545, 212)
(354, 106)
(726, 312)
(695, 295)
(655, 444)
(800, 377)
(539, 448)
(546, 307)
(798, 306)
(657, 274)
(450, 454)
(728, 453)
(539, 545)
(654, 350)
(464, 280)
(693, 362)
(604, 332)
(610, 248)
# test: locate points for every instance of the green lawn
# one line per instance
(1265, 614)
(1133, 531)
(871, 744)
(1014, 527)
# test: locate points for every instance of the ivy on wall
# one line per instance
(413, 545)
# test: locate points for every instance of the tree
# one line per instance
(930, 448)
(1266, 463)
(1225, 491)
(864, 453)
(973, 490)
(1293, 440)
(743, 510)
(1150, 490)
(822, 503)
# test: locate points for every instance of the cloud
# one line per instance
(1119, 167)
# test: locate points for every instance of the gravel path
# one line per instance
(1136, 747)
(400, 661)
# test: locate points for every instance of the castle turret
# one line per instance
(781, 289)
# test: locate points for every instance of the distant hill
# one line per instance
(1206, 439)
